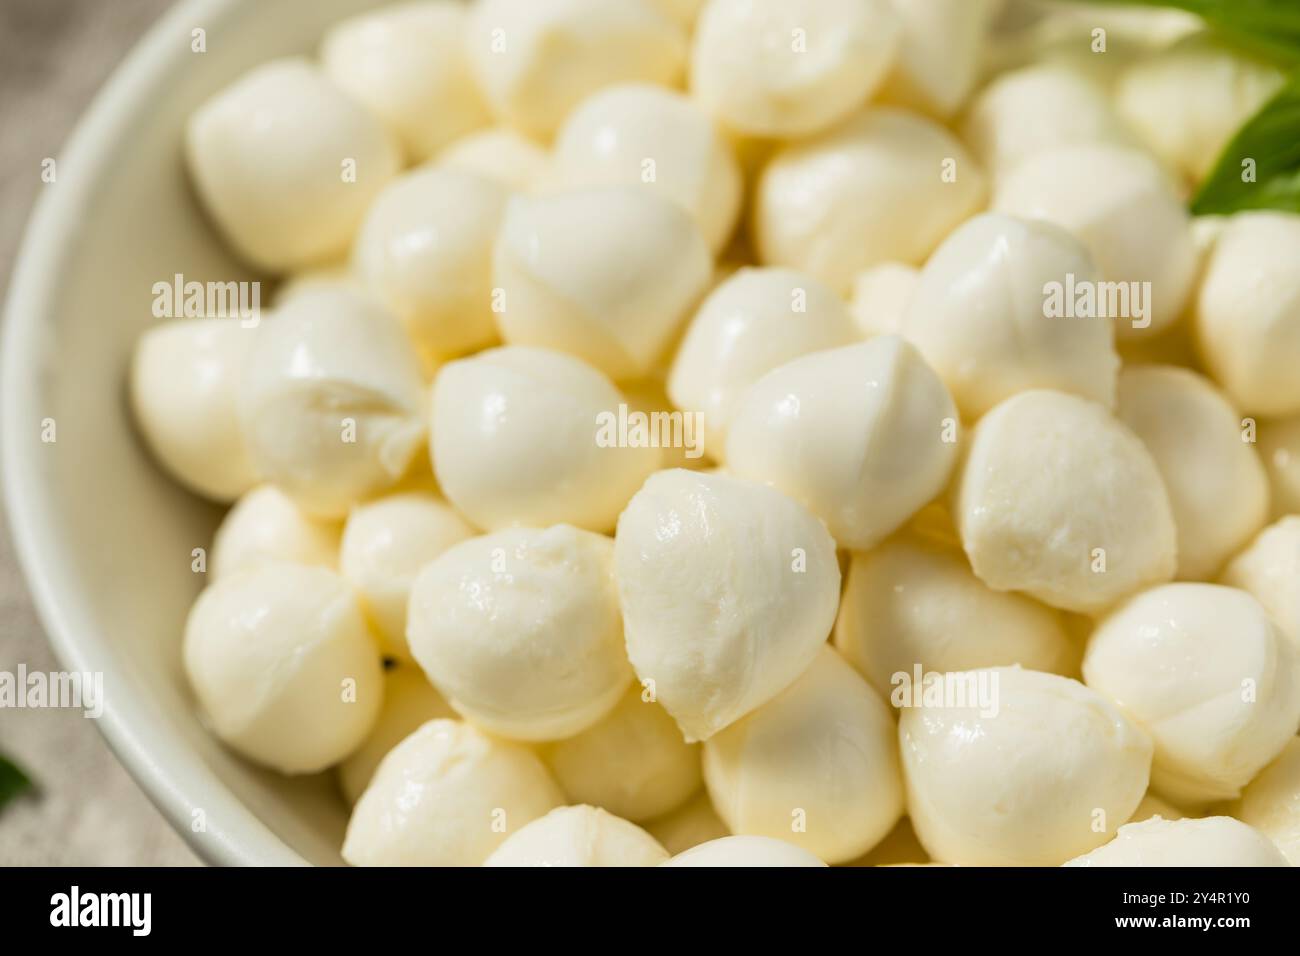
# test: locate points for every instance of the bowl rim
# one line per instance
(170, 775)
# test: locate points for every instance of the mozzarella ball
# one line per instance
(817, 765)
(940, 53)
(266, 527)
(913, 602)
(980, 316)
(331, 275)
(633, 763)
(1279, 447)
(385, 544)
(1058, 499)
(1270, 570)
(728, 589)
(286, 164)
(1271, 802)
(499, 154)
(1120, 205)
(880, 297)
(688, 826)
(1247, 315)
(1046, 773)
(283, 666)
(754, 321)
(537, 59)
(884, 185)
(863, 436)
(789, 68)
(410, 701)
(515, 441)
(1212, 841)
(407, 65)
(607, 274)
(1218, 709)
(1217, 486)
(521, 632)
(184, 393)
(579, 836)
(745, 851)
(646, 135)
(447, 795)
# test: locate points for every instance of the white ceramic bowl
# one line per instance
(104, 536)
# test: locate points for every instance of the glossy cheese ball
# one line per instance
(1271, 802)
(1279, 447)
(745, 851)
(266, 527)
(579, 836)
(940, 53)
(880, 297)
(500, 154)
(1269, 568)
(1212, 841)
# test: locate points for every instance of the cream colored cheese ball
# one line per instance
(425, 249)
(745, 851)
(1120, 204)
(1058, 499)
(330, 275)
(1209, 675)
(537, 59)
(579, 836)
(608, 274)
(884, 185)
(691, 824)
(1270, 570)
(283, 667)
(184, 394)
(817, 765)
(1212, 841)
(980, 315)
(286, 163)
(863, 436)
(1247, 314)
(789, 68)
(1217, 485)
(410, 701)
(633, 763)
(1271, 802)
(880, 296)
(385, 544)
(520, 630)
(912, 601)
(407, 64)
(447, 795)
(1279, 447)
(646, 135)
(752, 322)
(728, 589)
(266, 527)
(500, 154)
(514, 441)
(940, 53)
(1047, 772)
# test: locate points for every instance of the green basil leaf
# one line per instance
(1260, 166)
(12, 781)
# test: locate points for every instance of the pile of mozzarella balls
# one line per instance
(823, 232)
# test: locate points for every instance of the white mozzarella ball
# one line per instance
(980, 316)
(331, 275)
(184, 394)
(1279, 447)
(658, 138)
(425, 249)
(1119, 203)
(884, 185)
(447, 795)
(1270, 570)
(1211, 841)
(745, 851)
(1217, 485)
(407, 64)
(1058, 499)
(913, 602)
(521, 631)
(1047, 772)
(579, 836)
(880, 297)
(940, 53)
(817, 765)
(1207, 673)
(1271, 802)
(633, 763)
(286, 164)
(331, 400)
(283, 666)
(266, 527)
(754, 321)
(607, 274)
(688, 826)
(514, 441)
(499, 154)
(728, 589)
(410, 701)
(537, 59)
(789, 68)
(1247, 315)
(385, 544)
(863, 436)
